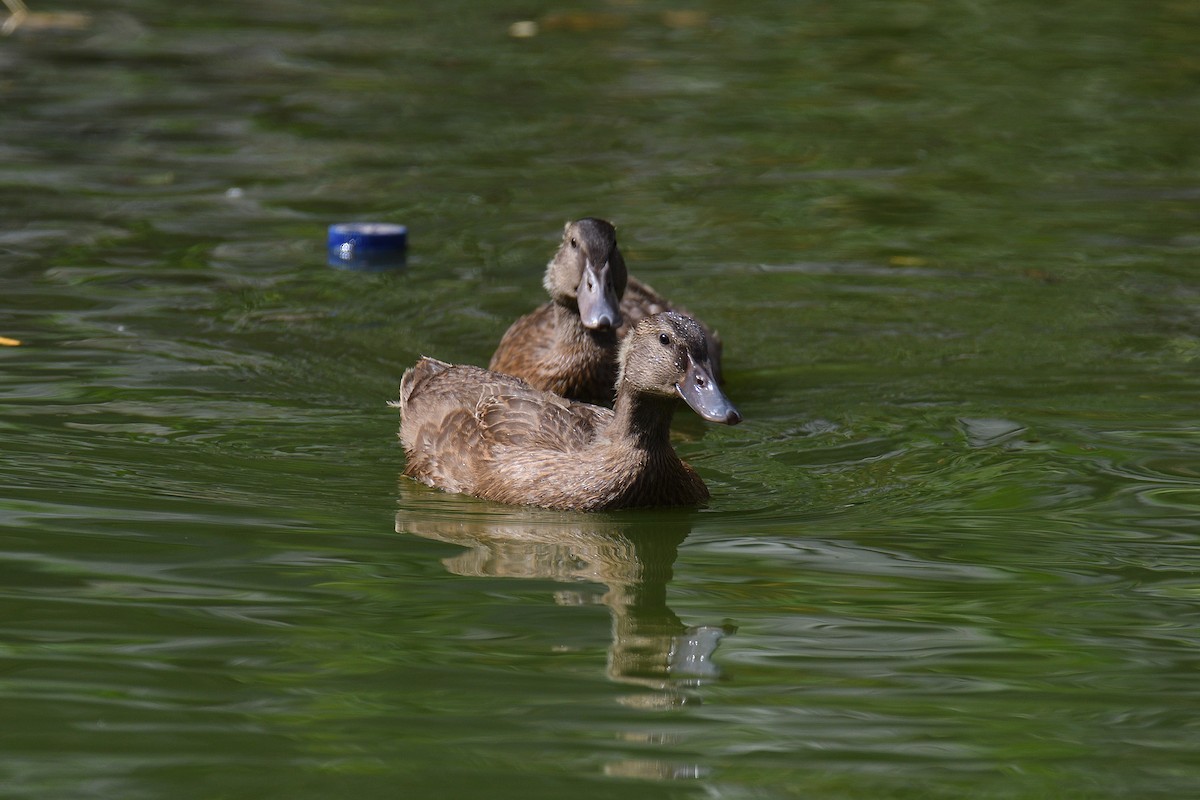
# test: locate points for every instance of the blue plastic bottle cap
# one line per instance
(367, 245)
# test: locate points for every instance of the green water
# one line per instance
(954, 550)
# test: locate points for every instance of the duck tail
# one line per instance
(414, 377)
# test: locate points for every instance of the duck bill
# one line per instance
(599, 307)
(699, 389)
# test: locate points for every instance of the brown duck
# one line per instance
(569, 345)
(466, 429)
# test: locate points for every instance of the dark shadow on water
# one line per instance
(630, 554)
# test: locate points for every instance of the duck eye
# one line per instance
(662, 337)
(574, 243)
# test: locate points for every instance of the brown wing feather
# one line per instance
(441, 434)
(453, 418)
(541, 421)
(638, 302)
(551, 349)
(522, 347)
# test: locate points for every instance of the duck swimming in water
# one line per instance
(494, 436)
(569, 345)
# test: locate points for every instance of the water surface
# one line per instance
(953, 550)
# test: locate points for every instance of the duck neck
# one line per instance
(566, 319)
(644, 419)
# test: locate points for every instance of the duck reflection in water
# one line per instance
(632, 558)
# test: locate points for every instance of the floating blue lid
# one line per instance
(367, 245)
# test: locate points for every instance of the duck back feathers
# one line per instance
(551, 350)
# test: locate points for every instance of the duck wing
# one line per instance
(551, 350)
(639, 301)
(535, 420)
(439, 427)
(459, 423)
(521, 349)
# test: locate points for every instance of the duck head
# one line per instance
(589, 273)
(667, 355)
